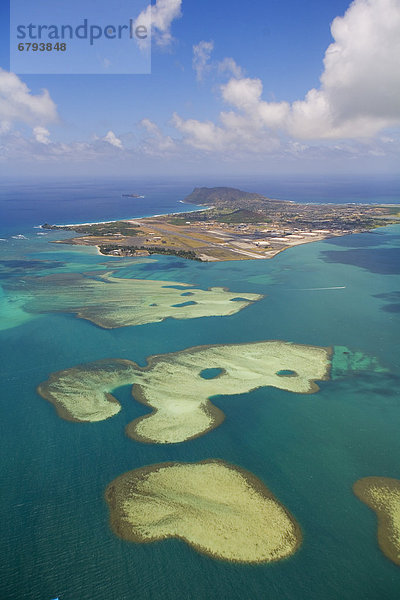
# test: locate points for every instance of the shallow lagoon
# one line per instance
(309, 450)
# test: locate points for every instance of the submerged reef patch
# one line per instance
(347, 363)
(392, 299)
(112, 302)
(217, 508)
(382, 494)
(385, 261)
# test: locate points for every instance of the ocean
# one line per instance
(308, 449)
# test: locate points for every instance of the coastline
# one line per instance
(75, 241)
(126, 219)
(239, 226)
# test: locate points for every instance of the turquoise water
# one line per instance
(308, 449)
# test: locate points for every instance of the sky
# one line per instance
(263, 87)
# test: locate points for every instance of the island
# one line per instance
(236, 225)
(236, 518)
(178, 386)
(382, 495)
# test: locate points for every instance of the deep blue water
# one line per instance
(338, 190)
(308, 449)
(56, 201)
(62, 202)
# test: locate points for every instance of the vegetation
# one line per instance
(206, 195)
(242, 216)
(131, 250)
(98, 229)
(223, 215)
(177, 221)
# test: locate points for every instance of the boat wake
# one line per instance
(336, 287)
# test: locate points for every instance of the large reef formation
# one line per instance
(111, 302)
(178, 387)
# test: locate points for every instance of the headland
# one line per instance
(237, 225)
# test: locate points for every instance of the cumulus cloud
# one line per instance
(360, 85)
(156, 143)
(245, 95)
(41, 134)
(158, 18)
(201, 57)
(241, 129)
(236, 134)
(358, 96)
(18, 104)
(112, 139)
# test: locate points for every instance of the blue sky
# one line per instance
(227, 92)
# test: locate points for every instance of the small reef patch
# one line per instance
(217, 508)
(382, 494)
(347, 363)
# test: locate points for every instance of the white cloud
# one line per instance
(41, 134)
(243, 129)
(156, 143)
(204, 135)
(5, 127)
(18, 104)
(358, 97)
(112, 139)
(244, 94)
(201, 57)
(16, 147)
(360, 85)
(235, 135)
(228, 65)
(202, 65)
(158, 18)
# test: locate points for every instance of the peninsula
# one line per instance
(236, 225)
